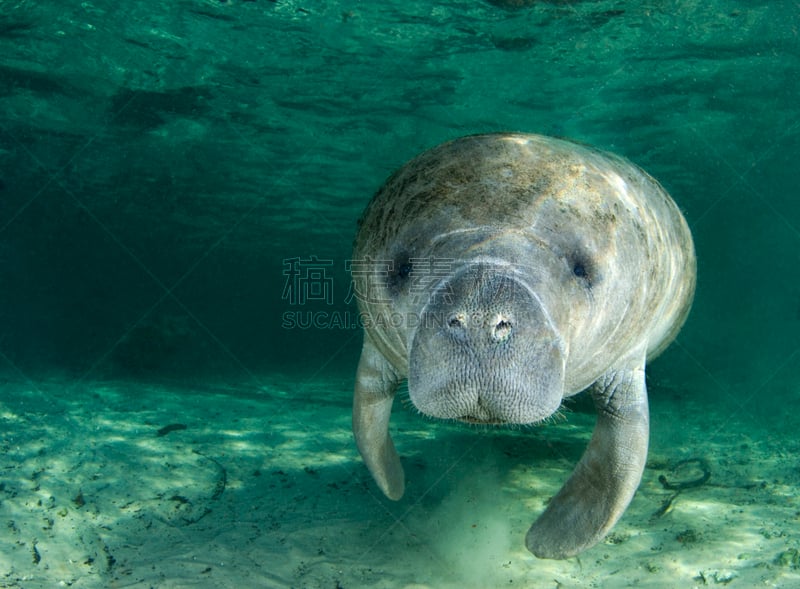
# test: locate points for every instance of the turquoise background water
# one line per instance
(161, 162)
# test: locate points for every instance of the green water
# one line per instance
(162, 164)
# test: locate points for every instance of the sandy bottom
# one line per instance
(124, 484)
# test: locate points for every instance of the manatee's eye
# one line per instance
(583, 268)
(397, 280)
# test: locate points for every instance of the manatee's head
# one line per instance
(485, 350)
(487, 261)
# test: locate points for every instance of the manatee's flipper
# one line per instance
(376, 383)
(605, 479)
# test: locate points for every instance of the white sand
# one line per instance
(264, 488)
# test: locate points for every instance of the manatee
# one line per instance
(503, 273)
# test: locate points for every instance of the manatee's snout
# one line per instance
(486, 351)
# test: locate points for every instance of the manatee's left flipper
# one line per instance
(604, 481)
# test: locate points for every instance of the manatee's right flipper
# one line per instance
(604, 481)
(376, 383)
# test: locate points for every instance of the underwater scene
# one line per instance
(209, 376)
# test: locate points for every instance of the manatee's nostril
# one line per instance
(502, 329)
(456, 321)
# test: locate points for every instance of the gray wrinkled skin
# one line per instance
(502, 273)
